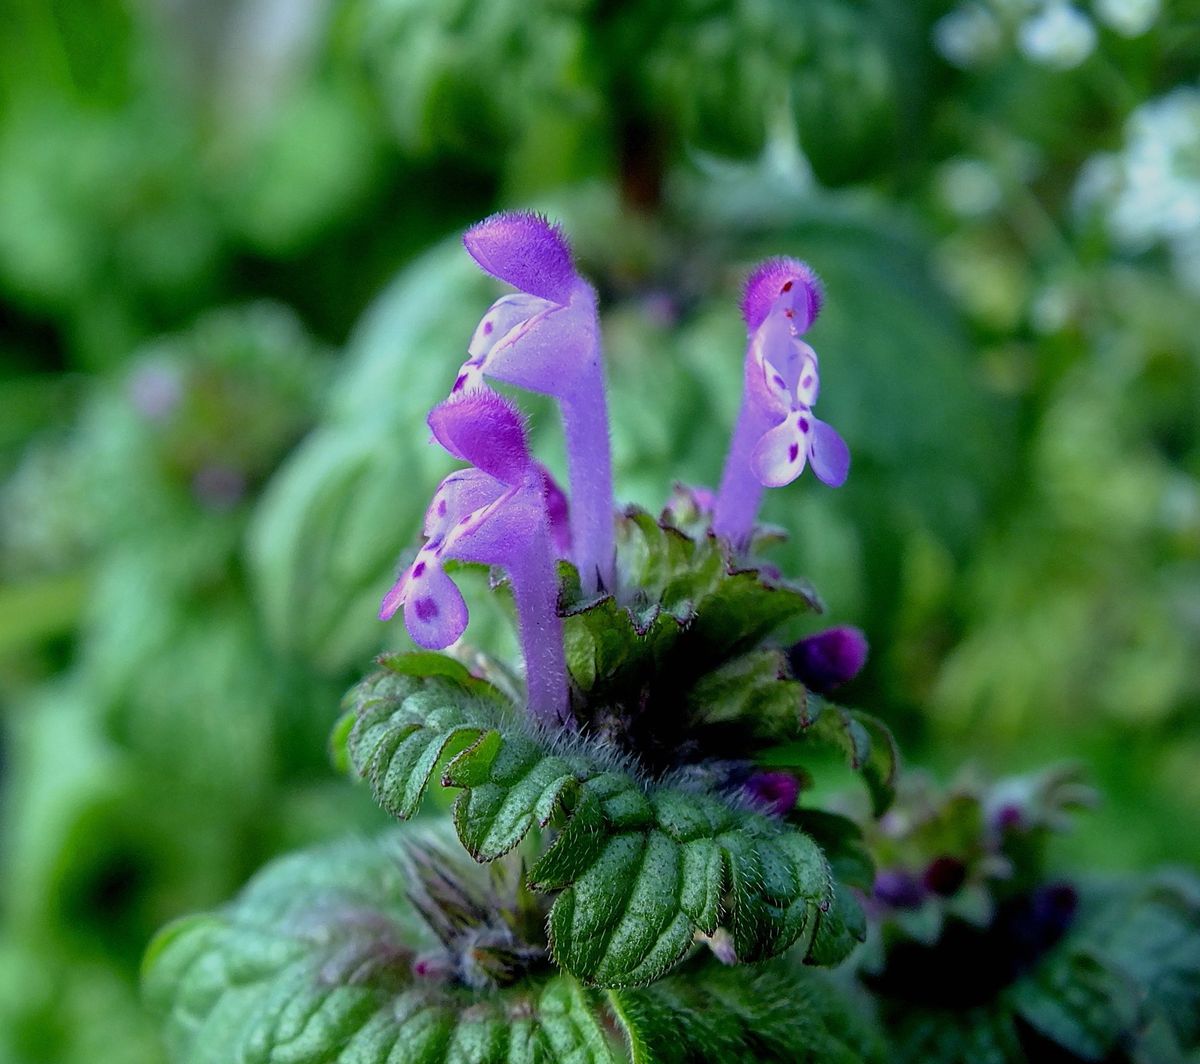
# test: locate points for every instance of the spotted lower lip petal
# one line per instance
(776, 434)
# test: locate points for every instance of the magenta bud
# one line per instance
(775, 792)
(829, 659)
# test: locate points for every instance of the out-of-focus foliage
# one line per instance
(208, 463)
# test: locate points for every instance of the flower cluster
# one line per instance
(506, 511)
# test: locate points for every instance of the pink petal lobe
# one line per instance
(549, 353)
(394, 599)
(829, 453)
(524, 249)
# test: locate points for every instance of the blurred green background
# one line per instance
(230, 287)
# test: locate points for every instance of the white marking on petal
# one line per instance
(780, 455)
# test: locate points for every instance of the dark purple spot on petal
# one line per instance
(793, 452)
(780, 381)
(418, 569)
(487, 328)
(426, 609)
(458, 384)
(802, 424)
(787, 287)
(441, 508)
(807, 382)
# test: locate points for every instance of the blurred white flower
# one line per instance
(1058, 36)
(968, 187)
(1050, 311)
(1185, 258)
(1130, 18)
(1149, 192)
(968, 36)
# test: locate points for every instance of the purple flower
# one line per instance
(507, 512)
(777, 433)
(829, 658)
(546, 338)
(775, 792)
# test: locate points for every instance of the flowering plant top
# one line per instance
(508, 512)
(665, 865)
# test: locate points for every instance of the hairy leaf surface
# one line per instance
(639, 869)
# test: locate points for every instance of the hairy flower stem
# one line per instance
(589, 466)
(535, 592)
(741, 492)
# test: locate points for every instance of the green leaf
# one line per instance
(312, 964)
(774, 1012)
(689, 609)
(754, 688)
(639, 869)
(842, 842)
(866, 742)
(1130, 966)
(405, 722)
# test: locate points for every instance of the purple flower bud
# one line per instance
(498, 513)
(546, 338)
(777, 433)
(775, 792)
(945, 875)
(899, 889)
(829, 659)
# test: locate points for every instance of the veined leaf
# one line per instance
(312, 964)
(639, 870)
(867, 743)
(775, 1012)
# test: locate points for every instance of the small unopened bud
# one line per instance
(829, 659)
(775, 792)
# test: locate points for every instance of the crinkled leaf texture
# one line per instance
(312, 964)
(773, 1012)
(639, 869)
(1123, 985)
